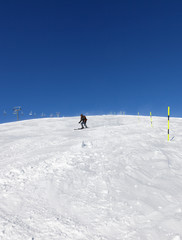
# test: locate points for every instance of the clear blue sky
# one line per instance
(93, 57)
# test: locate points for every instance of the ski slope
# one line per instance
(120, 179)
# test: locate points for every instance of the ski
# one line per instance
(80, 128)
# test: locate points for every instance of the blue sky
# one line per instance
(91, 57)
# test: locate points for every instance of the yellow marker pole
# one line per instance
(151, 118)
(168, 122)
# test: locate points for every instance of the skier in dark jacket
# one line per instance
(83, 121)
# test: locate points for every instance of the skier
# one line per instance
(83, 121)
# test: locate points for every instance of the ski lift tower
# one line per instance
(16, 111)
(58, 114)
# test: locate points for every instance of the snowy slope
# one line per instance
(120, 179)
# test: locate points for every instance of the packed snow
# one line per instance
(120, 179)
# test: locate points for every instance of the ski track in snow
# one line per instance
(120, 179)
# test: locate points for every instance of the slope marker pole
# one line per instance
(168, 123)
(151, 118)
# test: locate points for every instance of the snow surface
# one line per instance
(120, 179)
